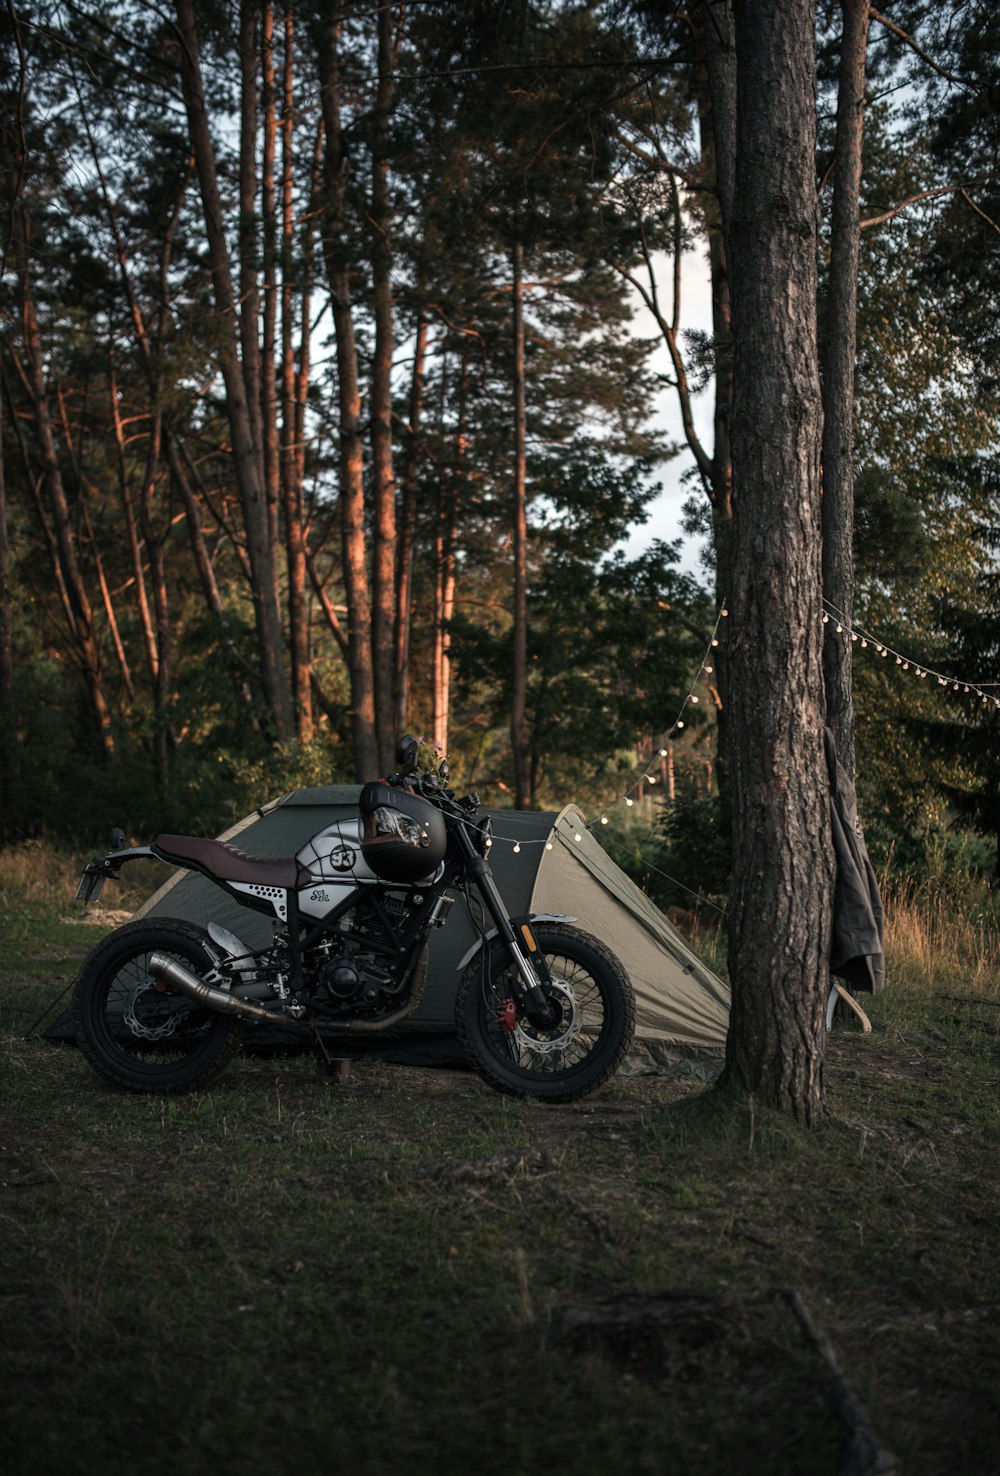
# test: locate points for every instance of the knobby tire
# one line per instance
(514, 1063)
(118, 1015)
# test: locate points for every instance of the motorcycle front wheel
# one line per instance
(572, 1056)
(139, 1034)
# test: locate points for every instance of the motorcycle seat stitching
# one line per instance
(229, 864)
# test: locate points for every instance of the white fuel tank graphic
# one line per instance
(336, 864)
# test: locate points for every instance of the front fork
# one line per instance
(521, 944)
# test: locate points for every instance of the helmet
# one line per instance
(403, 838)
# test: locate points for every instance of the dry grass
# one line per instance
(942, 932)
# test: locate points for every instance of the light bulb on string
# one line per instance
(629, 801)
(604, 819)
(517, 848)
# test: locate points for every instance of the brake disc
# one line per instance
(148, 1032)
(559, 1037)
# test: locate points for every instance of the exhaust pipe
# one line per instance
(171, 971)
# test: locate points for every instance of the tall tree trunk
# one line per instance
(779, 917)
(383, 479)
(445, 566)
(519, 700)
(351, 459)
(162, 736)
(838, 376)
(270, 437)
(253, 501)
(291, 479)
(718, 129)
(249, 296)
(10, 750)
(406, 529)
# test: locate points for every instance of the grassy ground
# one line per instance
(406, 1272)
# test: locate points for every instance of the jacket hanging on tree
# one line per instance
(857, 953)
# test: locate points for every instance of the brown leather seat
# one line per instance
(229, 864)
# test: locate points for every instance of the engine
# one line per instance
(350, 974)
(354, 981)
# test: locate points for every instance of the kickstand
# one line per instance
(333, 1068)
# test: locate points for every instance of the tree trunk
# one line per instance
(718, 131)
(779, 919)
(351, 460)
(249, 300)
(838, 378)
(405, 532)
(270, 437)
(383, 479)
(445, 565)
(270, 640)
(519, 700)
(291, 479)
(10, 751)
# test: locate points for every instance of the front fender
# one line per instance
(532, 917)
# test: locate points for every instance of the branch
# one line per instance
(909, 41)
(875, 220)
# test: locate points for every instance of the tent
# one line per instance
(682, 1007)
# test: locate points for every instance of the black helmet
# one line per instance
(403, 838)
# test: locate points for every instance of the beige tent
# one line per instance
(682, 1006)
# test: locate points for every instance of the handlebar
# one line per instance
(430, 788)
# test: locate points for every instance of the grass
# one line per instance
(286, 1274)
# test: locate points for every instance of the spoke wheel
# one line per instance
(557, 1061)
(139, 1034)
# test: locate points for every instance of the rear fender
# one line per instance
(532, 917)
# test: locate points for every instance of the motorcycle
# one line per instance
(544, 1010)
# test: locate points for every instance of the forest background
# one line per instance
(332, 346)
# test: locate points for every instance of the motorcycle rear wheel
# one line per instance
(577, 1055)
(139, 1035)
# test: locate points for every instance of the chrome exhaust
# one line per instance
(171, 971)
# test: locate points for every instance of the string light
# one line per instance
(906, 663)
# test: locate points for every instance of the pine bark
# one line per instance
(351, 457)
(245, 450)
(291, 464)
(783, 869)
(405, 531)
(10, 755)
(838, 377)
(519, 697)
(383, 476)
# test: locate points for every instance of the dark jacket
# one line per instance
(857, 955)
